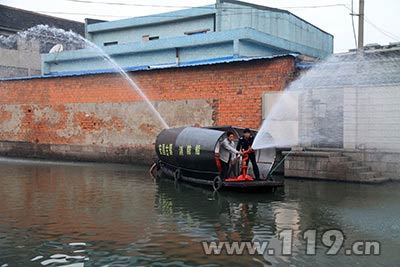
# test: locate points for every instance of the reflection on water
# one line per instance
(55, 214)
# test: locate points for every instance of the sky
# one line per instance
(382, 23)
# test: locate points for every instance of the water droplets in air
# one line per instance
(46, 37)
(347, 100)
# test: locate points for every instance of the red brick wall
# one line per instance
(235, 89)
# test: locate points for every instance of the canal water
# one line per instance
(78, 214)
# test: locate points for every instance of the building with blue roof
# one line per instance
(225, 31)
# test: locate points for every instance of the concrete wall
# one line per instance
(169, 24)
(87, 60)
(232, 16)
(10, 71)
(372, 118)
(99, 117)
(280, 24)
(22, 61)
(363, 121)
(254, 49)
(365, 117)
(387, 164)
(163, 31)
(322, 117)
(351, 165)
(115, 132)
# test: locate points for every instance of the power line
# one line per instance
(199, 7)
(170, 16)
(384, 32)
(79, 14)
(162, 15)
(139, 5)
(319, 6)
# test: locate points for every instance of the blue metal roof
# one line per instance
(305, 64)
(213, 61)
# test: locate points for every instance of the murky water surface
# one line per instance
(72, 214)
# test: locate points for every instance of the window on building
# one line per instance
(110, 43)
(197, 32)
(150, 38)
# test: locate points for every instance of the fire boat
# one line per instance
(191, 154)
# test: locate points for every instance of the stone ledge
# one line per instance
(343, 165)
(307, 154)
(130, 155)
(371, 181)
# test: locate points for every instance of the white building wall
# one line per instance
(372, 118)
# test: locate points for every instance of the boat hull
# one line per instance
(207, 180)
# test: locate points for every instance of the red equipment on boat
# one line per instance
(244, 176)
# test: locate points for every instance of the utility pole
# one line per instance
(361, 25)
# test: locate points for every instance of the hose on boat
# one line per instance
(152, 168)
(279, 164)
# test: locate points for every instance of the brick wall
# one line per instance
(103, 111)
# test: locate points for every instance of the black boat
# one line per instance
(190, 154)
